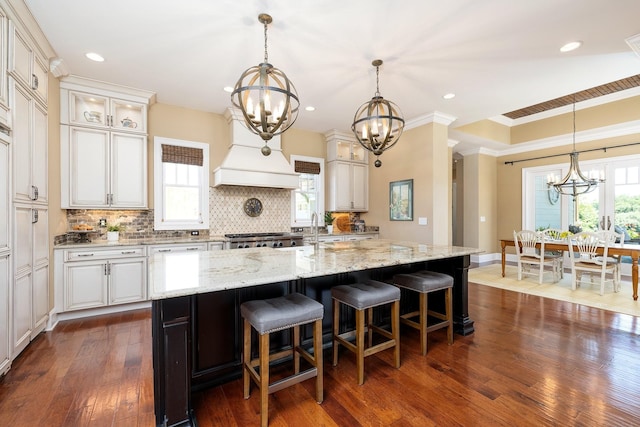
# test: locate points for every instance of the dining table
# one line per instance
(626, 249)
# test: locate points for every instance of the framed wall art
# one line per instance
(401, 200)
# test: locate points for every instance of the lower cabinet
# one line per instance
(104, 277)
(5, 346)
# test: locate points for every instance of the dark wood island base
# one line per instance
(197, 339)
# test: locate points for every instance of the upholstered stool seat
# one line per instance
(363, 297)
(271, 315)
(425, 282)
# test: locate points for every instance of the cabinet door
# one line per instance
(23, 278)
(86, 109)
(40, 79)
(89, 167)
(5, 192)
(5, 120)
(40, 156)
(85, 285)
(128, 116)
(40, 293)
(20, 56)
(22, 149)
(342, 187)
(360, 192)
(128, 170)
(128, 281)
(41, 271)
(5, 352)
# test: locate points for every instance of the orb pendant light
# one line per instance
(266, 97)
(378, 123)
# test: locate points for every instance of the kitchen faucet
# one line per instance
(314, 227)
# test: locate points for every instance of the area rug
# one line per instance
(587, 294)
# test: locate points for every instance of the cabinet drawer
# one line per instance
(87, 255)
(177, 248)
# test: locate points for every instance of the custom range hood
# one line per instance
(245, 165)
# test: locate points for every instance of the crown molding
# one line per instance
(435, 117)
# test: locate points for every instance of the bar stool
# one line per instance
(364, 297)
(425, 282)
(271, 315)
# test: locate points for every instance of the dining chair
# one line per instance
(530, 251)
(588, 259)
(553, 234)
(614, 238)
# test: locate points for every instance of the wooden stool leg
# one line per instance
(264, 380)
(395, 330)
(317, 355)
(423, 322)
(246, 355)
(360, 314)
(369, 321)
(294, 347)
(336, 330)
(449, 313)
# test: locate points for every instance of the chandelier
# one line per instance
(575, 182)
(267, 98)
(378, 123)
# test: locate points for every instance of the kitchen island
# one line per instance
(196, 296)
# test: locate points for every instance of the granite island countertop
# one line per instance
(98, 243)
(181, 274)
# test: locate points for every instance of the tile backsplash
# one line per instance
(226, 215)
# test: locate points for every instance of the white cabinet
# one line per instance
(103, 277)
(215, 246)
(341, 237)
(90, 109)
(103, 169)
(5, 343)
(30, 148)
(346, 150)
(103, 145)
(31, 279)
(26, 66)
(177, 247)
(5, 116)
(347, 173)
(348, 186)
(5, 196)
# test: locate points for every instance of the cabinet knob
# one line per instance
(34, 82)
(34, 192)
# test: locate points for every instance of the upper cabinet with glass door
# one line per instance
(344, 147)
(88, 109)
(91, 103)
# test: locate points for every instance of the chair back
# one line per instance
(588, 243)
(525, 242)
(612, 237)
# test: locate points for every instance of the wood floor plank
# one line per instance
(532, 361)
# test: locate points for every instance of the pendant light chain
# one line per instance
(377, 80)
(266, 55)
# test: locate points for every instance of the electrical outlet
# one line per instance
(102, 222)
(195, 233)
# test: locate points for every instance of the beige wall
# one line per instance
(421, 154)
(509, 177)
(488, 129)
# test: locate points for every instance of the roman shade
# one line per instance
(307, 167)
(181, 155)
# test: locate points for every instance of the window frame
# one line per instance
(158, 186)
(319, 196)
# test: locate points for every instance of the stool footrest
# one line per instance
(293, 379)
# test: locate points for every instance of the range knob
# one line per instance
(275, 244)
(279, 244)
(293, 243)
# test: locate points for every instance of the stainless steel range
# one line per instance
(258, 240)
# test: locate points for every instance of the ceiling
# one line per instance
(497, 56)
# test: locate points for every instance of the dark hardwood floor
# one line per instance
(532, 361)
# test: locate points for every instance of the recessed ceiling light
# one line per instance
(228, 89)
(310, 108)
(571, 46)
(94, 57)
(449, 96)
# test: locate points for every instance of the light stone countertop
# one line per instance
(188, 273)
